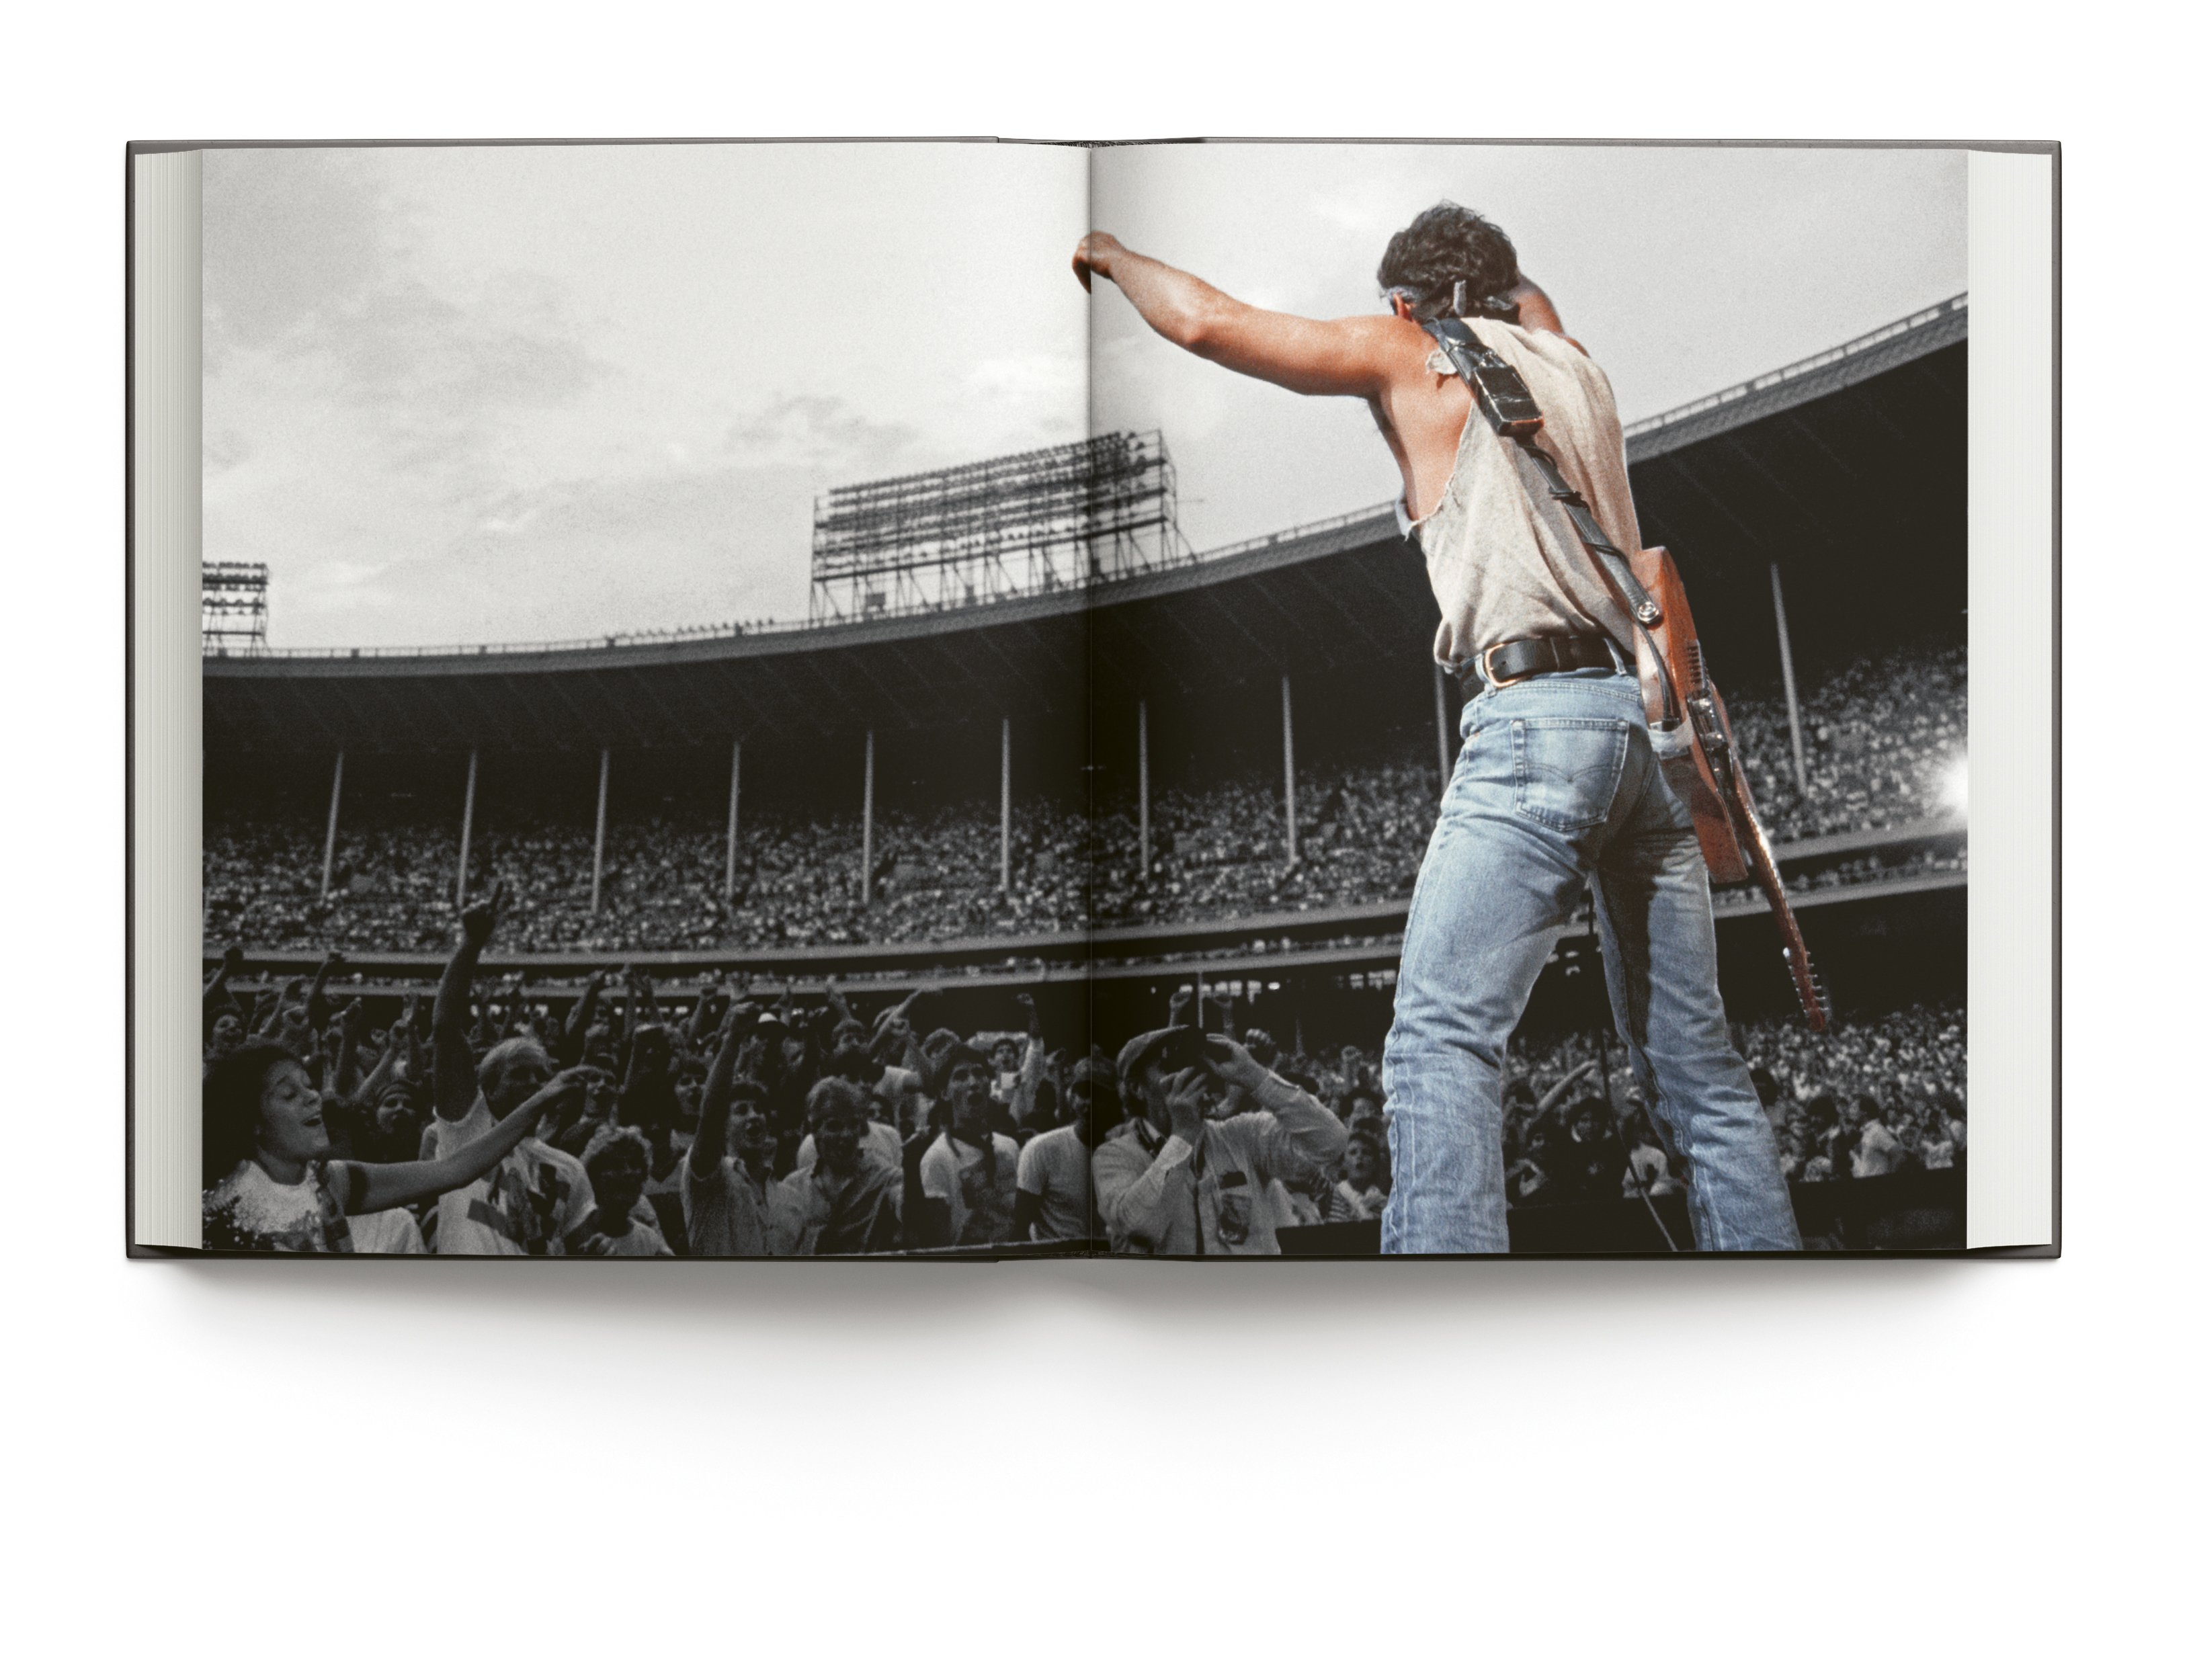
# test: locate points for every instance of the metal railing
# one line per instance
(1780, 376)
(1186, 557)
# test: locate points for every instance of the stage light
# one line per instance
(1955, 787)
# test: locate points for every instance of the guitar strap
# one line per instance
(1508, 406)
(1507, 403)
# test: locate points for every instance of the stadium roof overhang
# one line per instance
(1847, 471)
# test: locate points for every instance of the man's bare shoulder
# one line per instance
(1406, 344)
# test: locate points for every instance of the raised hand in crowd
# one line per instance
(395, 1046)
(456, 1075)
(1027, 1085)
(640, 986)
(893, 1043)
(579, 1021)
(217, 996)
(696, 1025)
(475, 922)
(317, 1008)
(345, 1035)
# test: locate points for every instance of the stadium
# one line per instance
(1029, 741)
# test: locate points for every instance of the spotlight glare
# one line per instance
(1955, 787)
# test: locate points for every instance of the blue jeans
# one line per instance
(1558, 783)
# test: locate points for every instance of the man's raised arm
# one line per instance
(456, 1081)
(1359, 355)
(711, 1139)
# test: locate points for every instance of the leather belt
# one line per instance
(1507, 663)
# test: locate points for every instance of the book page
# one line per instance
(1775, 324)
(164, 919)
(675, 552)
(2014, 1001)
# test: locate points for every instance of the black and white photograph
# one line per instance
(1016, 700)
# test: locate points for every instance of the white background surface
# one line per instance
(1885, 1468)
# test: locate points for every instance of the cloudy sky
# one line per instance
(480, 394)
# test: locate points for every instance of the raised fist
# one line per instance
(478, 919)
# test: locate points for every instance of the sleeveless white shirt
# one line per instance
(1503, 558)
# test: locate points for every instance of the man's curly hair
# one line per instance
(1448, 243)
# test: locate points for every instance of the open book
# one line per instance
(717, 699)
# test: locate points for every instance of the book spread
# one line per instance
(990, 700)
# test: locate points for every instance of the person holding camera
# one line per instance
(1180, 1180)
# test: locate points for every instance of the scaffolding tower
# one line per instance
(1033, 523)
(232, 607)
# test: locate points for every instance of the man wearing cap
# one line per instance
(1056, 1203)
(1181, 1180)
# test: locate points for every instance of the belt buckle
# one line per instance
(1492, 684)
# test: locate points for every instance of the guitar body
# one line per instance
(1710, 777)
(1676, 633)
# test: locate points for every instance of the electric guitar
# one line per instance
(1736, 846)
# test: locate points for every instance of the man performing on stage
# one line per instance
(1558, 783)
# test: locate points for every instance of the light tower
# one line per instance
(232, 596)
(1059, 518)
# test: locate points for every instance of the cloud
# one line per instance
(287, 235)
(1003, 404)
(821, 433)
(408, 347)
(323, 317)
(576, 558)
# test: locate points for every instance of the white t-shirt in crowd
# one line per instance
(951, 1162)
(526, 1203)
(1053, 1166)
(390, 1230)
(247, 1210)
(1879, 1152)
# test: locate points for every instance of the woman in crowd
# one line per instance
(616, 1163)
(270, 1181)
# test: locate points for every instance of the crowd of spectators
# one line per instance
(1883, 740)
(736, 1123)
(1875, 1095)
(746, 1121)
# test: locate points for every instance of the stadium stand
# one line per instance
(1883, 740)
